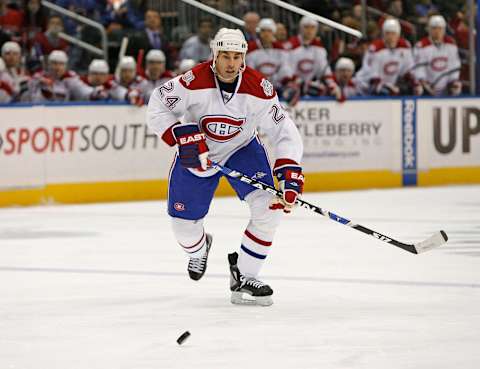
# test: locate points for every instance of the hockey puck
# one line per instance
(183, 337)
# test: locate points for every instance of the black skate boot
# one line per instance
(247, 291)
(198, 266)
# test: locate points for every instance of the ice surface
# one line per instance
(105, 286)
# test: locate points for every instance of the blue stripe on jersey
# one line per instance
(254, 254)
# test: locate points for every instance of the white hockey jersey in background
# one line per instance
(384, 66)
(228, 126)
(309, 62)
(272, 62)
(437, 64)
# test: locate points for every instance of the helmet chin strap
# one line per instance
(214, 69)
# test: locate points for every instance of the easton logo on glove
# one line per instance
(188, 139)
(290, 181)
(192, 146)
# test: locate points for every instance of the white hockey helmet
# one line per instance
(228, 39)
(127, 62)
(186, 65)
(58, 56)
(11, 46)
(345, 63)
(2, 65)
(98, 66)
(437, 21)
(391, 25)
(308, 21)
(268, 24)
(156, 56)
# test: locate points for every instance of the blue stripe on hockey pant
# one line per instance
(251, 253)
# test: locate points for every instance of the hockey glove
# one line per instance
(290, 182)
(192, 147)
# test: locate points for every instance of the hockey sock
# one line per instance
(190, 236)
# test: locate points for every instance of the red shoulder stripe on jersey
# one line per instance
(6, 87)
(316, 42)
(293, 42)
(252, 45)
(252, 84)
(169, 137)
(402, 43)
(278, 45)
(204, 77)
(377, 45)
(449, 40)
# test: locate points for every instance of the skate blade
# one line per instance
(242, 298)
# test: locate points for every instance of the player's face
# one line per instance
(391, 38)
(97, 79)
(228, 65)
(57, 69)
(267, 36)
(309, 31)
(343, 75)
(437, 33)
(155, 69)
(127, 76)
(281, 32)
(11, 59)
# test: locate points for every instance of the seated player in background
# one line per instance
(437, 64)
(213, 112)
(58, 83)
(156, 73)
(106, 88)
(310, 62)
(14, 71)
(127, 77)
(344, 71)
(387, 67)
(6, 85)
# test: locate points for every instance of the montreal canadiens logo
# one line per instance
(391, 68)
(439, 64)
(221, 128)
(305, 65)
(179, 206)
(268, 69)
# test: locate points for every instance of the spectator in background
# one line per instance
(35, 19)
(119, 14)
(11, 18)
(50, 40)
(6, 85)
(281, 35)
(423, 8)
(437, 61)
(251, 20)
(151, 37)
(12, 56)
(58, 83)
(310, 62)
(344, 70)
(197, 47)
(387, 66)
(156, 73)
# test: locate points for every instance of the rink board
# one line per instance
(92, 152)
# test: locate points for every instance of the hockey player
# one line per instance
(58, 83)
(6, 85)
(388, 64)
(128, 78)
(12, 56)
(437, 61)
(106, 88)
(344, 70)
(213, 112)
(268, 56)
(156, 73)
(309, 60)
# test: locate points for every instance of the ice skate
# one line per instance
(247, 291)
(198, 266)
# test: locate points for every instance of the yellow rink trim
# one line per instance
(443, 176)
(72, 193)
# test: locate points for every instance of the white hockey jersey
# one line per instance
(6, 88)
(42, 87)
(228, 126)
(309, 62)
(273, 62)
(384, 66)
(437, 64)
(153, 84)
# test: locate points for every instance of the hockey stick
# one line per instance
(436, 240)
